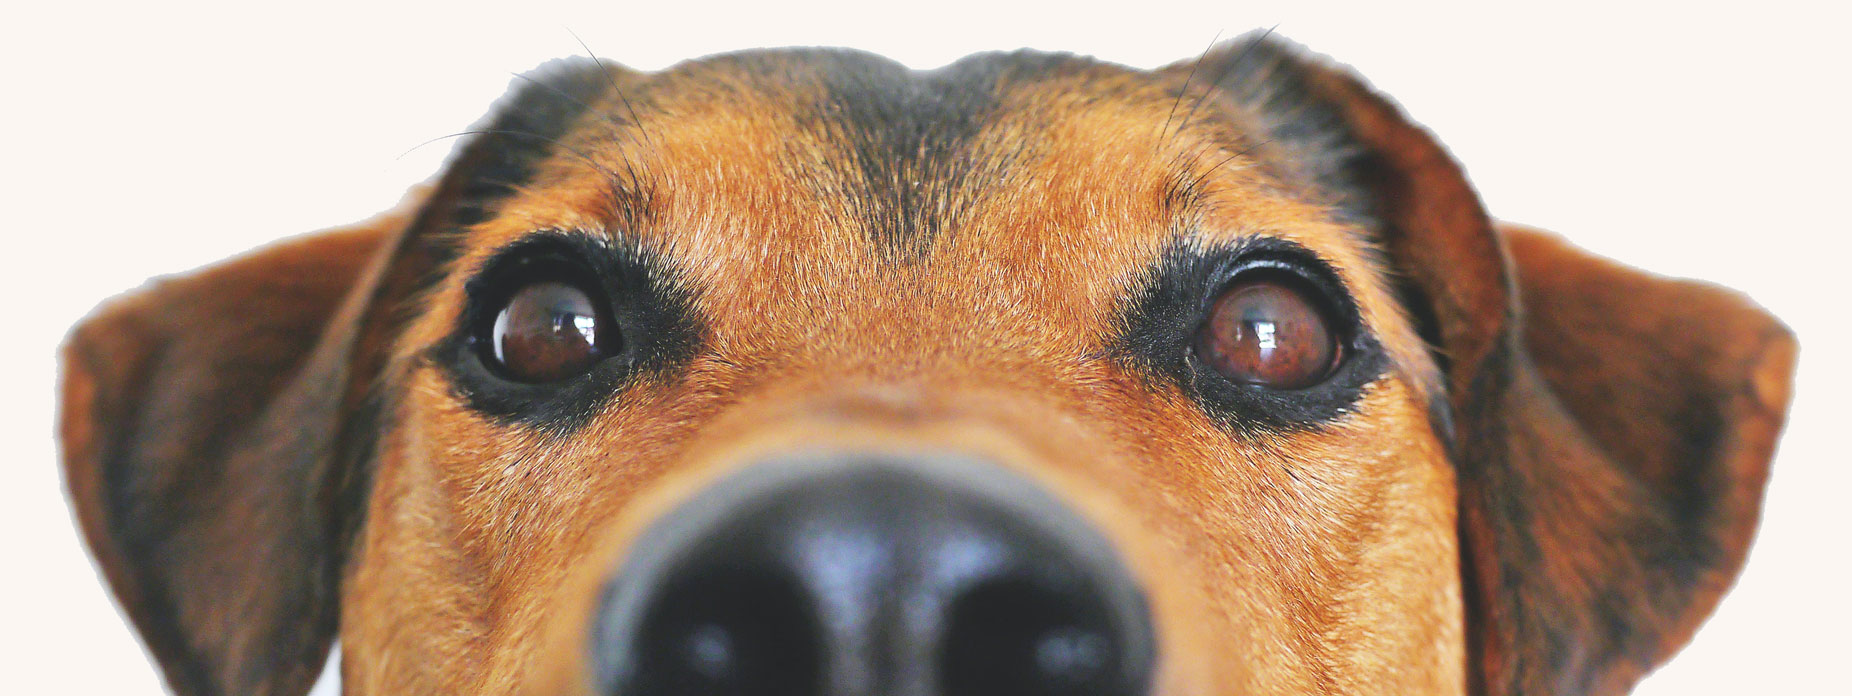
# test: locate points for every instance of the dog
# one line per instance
(797, 372)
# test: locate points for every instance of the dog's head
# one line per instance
(797, 372)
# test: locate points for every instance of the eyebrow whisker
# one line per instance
(1218, 165)
(1227, 70)
(617, 127)
(612, 80)
(583, 157)
(1185, 89)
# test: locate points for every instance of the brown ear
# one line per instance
(218, 427)
(1611, 429)
(201, 422)
(1639, 418)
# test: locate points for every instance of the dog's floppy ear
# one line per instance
(1611, 429)
(201, 422)
(218, 426)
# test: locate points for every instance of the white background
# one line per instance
(142, 139)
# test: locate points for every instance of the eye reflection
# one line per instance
(547, 332)
(1269, 331)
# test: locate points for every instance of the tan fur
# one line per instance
(1323, 561)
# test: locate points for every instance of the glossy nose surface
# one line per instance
(858, 576)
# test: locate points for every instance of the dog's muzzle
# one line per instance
(849, 575)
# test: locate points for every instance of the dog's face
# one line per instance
(797, 372)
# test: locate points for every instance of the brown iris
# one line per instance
(549, 331)
(1269, 331)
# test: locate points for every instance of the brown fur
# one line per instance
(1549, 500)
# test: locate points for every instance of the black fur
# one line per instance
(912, 136)
(504, 151)
(523, 132)
(1269, 80)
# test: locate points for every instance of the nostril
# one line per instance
(1024, 637)
(729, 630)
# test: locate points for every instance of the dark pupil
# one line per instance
(1269, 334)
(547, 332)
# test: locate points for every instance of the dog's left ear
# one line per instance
(1611, 429)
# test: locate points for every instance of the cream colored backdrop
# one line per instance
(148, 138)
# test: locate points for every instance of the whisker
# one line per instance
(421, 146)
(512, 186)
(1194, 183)
(614, 88)
(617, 127)
(587, 159)
(1185, 89)
(1226, 71)
(1176, 188)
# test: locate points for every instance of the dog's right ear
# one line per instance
(218, 426)
(201, 419)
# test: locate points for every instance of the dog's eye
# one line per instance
(1270, 328)
(548, 331)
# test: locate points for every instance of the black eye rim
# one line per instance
(1313, 281)
(1158, 334)
(640, 296)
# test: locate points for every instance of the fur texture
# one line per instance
(1541, 483)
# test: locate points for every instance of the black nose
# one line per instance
(866, 576)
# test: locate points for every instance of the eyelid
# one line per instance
(1273, 254)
